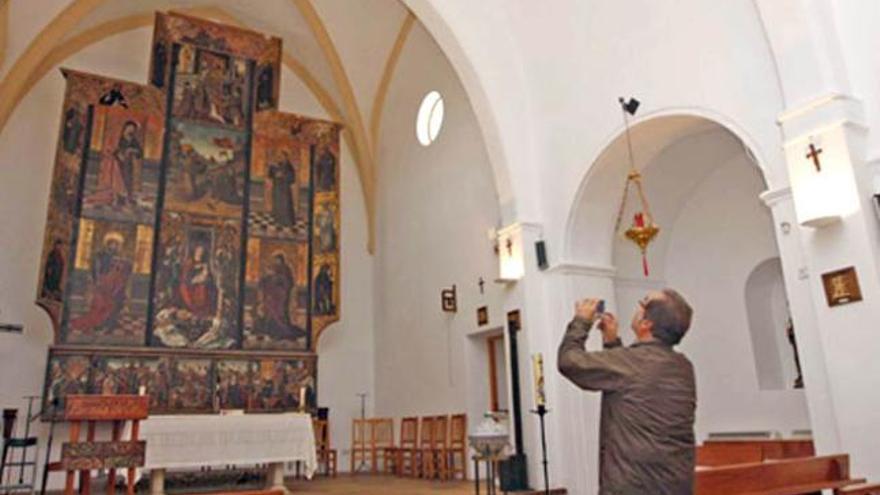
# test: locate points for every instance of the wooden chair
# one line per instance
(440, 448)
(457, 457)
(381, 440)
(426, 443)
(360, 447)
(405, 455)
(90, 454)
(325, 454)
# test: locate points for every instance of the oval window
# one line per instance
(430, 118)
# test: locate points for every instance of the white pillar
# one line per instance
(573, 421)
(823, 420)
(847, 335)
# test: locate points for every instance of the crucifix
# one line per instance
(814, 155)
(481, 283)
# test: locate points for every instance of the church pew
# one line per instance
(274, 491)
(727, 452)
(782, 477)
(860, 489)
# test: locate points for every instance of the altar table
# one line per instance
(219, 440)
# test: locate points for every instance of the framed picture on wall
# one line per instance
(448, 300)
(482, 316)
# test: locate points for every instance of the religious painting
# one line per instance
(276, 295)
(176, 31)
(197, 283)
(190, 388)
(482, 316)
(65, 375)
(325, 290)
(211, 86)
(267, 87)
(282, 385)
(326, 228)
(91, 99)
(115, 375)
(129, 375)
(326, 168)
(109, 285)
(280, 175)
(122, 168)
(234, 383)
(206, 166)
(326, 223)
(841, 287)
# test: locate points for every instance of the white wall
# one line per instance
(27, 143)
(435, 206)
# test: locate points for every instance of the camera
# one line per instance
(600, 308)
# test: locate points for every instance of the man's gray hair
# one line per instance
(670, 315)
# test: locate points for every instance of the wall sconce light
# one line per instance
(821, 181)
(449, 300)
(511, 265)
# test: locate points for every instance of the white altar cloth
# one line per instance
(220, 440)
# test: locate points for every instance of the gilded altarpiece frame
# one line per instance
(192, 240)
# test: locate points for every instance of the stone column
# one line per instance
(546, 300)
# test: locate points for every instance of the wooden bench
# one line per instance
(860, 489)
(782, 477)
(727, 452)
(268, 491)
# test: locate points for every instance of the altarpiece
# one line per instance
(192, 239)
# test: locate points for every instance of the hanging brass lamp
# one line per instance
(643, 230)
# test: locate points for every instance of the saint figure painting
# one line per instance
(275, 316)
(283, 176)
(122, 170)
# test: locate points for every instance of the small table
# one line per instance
(215, 440)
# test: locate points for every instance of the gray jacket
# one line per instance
(646, 443)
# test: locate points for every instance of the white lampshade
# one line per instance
(822, 196)
(510, 255)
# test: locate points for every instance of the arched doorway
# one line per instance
(703, 183)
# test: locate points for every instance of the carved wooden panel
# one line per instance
(102, 455)
(106, 407)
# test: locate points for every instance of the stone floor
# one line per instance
(380, 485)
(389, 485)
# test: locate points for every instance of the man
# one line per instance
(648, 395)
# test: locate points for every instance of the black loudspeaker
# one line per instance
(541, 254)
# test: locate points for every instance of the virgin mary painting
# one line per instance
(197, 289)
